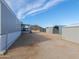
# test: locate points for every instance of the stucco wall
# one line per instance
(71, 33)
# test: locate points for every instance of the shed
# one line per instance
(55, 29)
(49, 30)
(10, 27)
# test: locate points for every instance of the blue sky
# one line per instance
(46, 12)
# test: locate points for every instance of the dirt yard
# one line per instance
(42, 46)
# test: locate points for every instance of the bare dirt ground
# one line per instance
(42, 46)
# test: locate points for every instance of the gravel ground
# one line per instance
(42, 46)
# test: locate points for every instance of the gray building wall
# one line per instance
(0, 16)
(9, 21)
(10, 27)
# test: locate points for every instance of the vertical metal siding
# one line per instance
(10, 27)
(0, 17)
(9, 21)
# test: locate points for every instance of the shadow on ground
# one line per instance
(28, 40)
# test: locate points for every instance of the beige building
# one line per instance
(71, 33)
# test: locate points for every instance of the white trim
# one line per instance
(4, 2)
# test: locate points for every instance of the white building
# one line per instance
(10, 27)
(71, 33)
(49, 30)
(55, 29)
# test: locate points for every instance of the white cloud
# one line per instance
(23, 8)
(30, 7)
(47, 6)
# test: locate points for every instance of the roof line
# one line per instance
(4, 2)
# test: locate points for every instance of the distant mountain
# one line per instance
(35, 27)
